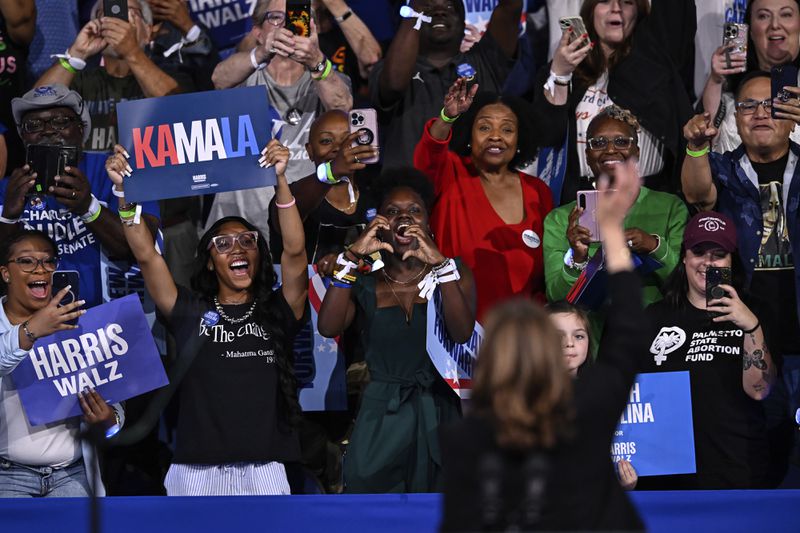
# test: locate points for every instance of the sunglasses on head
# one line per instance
(247, 240)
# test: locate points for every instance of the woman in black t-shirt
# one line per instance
(238, 402)
(721, 342)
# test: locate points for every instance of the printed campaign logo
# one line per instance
(227, 21)
(196, 143)
(667, 341)
(655, 432)
(111, 351)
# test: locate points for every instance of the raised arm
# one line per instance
(723, 63)
(504, 25)
(566, 59)
(334, 92)
(696, 180)
(88, 43)
(398, 66)
(20, 17)
(294, 263)
(157, 278)
(366, 47)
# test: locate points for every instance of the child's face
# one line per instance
(574, 339)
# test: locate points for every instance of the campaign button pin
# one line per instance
(465, 70)
(531, 239)
(210, 318)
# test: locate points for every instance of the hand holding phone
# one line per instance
(577, 30)
(716, 276)
(587, 200)
(49, 161)
(116, 8)
(298, 17)
(71, 279)
(365, 123)
(782, 76)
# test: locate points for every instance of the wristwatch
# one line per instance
(319, 68)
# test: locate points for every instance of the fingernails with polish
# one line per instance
(128, 168)
(81, 302)
(126, 154)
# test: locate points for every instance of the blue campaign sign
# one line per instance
(227, 21)
(112, 351)
(196, 143)
(655, 432)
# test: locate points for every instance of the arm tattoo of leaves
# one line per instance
(755, 359)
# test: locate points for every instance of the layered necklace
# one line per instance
(230, 320)
(390, 281)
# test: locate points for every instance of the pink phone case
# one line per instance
(588, 219)
(365, 121)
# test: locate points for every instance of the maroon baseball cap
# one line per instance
(710, 227)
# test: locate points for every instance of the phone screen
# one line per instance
(298, 18)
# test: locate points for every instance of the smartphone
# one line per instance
(61, 279)
(298, 17)
(783, 76)
(48, 161)
(365, 122)
(578, 29)
(587, 200)
(715, 276)
(734, 37)
(116, 8)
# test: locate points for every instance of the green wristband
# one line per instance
(326, 72)
(698, 153)
(66, 65)
(446, 118)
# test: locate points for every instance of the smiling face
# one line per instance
(775, 30)
(71, 135)
(31, 290)
(758, 130)
(574, 339)
(614, 21)
(237, 268)
(605, 161)
(495, 133)
(446, 26)
(326, 136)
(403, 207)
(697, 260)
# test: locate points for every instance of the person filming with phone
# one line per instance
(707, 325)
(653, 226)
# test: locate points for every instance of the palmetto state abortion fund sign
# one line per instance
(198, 143)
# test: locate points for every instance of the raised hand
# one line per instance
(369, 241)
(19, 183)
(639, 241)
(569, 55)
(699, 131)
(349, 157)
(275, 154)
(72, 190)
(117, 166)
(788, 109)
(53, 317)
(720, 67)
(627, 474)
(89, 41)
(426, 250)
(173, 11)
(121, 35)
(459, 97)
(731, 308)
(578, 236)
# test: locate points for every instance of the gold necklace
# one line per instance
(406, 282)
(406, 312)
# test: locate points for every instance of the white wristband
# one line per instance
(444, 273)
(115, 192)
(254, 61)
(5, 220)
(75, 62)
(91, 213)
(346, 265)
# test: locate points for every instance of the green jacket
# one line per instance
(658, 213)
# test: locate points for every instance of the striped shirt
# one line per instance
(237, 479)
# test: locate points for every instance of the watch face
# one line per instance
(320, 67)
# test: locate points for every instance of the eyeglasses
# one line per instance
(749, 106)
(276, 18)
(58, 123)
(30, 264)
(224, 243)
(601, 143)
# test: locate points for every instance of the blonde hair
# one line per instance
(521, 381)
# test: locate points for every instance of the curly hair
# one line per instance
(462, 129)
(521, 381)
(19, 235)
(614, 112)
(410, 177)
(267, 312)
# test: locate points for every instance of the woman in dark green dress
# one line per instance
(395, 446)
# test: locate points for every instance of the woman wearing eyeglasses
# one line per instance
(238, 402)
(47, 460)
(653, 226)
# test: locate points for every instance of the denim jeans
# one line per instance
(22, 481)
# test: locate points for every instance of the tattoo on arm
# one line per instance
(755, 359)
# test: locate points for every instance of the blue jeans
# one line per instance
(22, 481)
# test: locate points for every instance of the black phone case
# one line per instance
(48, 161)
(116, 8)
(715, 276)
(782, 76)
(60, 280)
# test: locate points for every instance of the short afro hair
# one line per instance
(395, 178)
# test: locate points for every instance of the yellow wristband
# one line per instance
(64, 63)
(326, 72)
(698, 153)
(447, 119)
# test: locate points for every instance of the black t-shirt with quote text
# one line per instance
(731, 448)
(229, 397)
(774, 273)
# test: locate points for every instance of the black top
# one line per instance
(582, 491)
(13, 70)
(730, 439)
(229, 396)
(654, 82)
